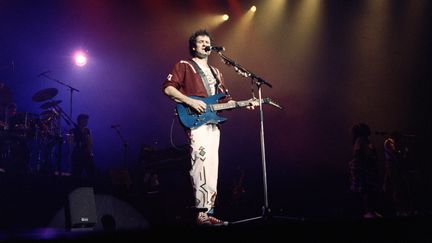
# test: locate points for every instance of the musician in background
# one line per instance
(14, 121)
(364, 170)
(81, 143)
(7, 111)
(14, 152)
(5, 101)
(195, 77)
(396, 178)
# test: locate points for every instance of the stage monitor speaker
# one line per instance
(82, 208)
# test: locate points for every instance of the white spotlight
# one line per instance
(80, 59)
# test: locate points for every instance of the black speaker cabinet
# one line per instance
(82, 208)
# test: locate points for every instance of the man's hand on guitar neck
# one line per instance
(252, 104)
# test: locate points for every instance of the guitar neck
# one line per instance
(230, 105)
(243, 103)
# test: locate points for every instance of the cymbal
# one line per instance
(49, 104)
(45, 94)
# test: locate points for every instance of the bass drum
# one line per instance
(47, 126)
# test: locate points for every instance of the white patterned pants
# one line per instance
(204, 142)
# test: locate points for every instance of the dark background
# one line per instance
(331, 64)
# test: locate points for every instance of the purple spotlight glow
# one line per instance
(80, 59)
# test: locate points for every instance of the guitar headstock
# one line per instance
(271, 102)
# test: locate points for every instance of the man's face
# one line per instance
(201, 42)
(82, 122)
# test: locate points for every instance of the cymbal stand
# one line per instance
(49, 145)
(65, 117)
(71, 89)
(258, 81)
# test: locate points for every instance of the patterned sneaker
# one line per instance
(372, 215)
(378, 215)
(217, 222)
(203, 219)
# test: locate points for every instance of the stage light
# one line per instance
(80, 59)
(241, 27)
(274, 11)
(253, 8)
(225, 17)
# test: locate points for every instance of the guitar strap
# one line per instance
(204, 77)
(217, 80)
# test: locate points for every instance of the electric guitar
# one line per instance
(192, 119)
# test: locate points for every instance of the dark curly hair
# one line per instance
(192, 40)
(83, 117)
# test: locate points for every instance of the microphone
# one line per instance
(43, 73)
(115, 126)
(13, 67)
(214, 48)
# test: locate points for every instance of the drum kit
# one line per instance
(26, 136)
(48, 121)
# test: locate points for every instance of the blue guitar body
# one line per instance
(192, 119)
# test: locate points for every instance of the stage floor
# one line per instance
(405, 229)
(35, 208)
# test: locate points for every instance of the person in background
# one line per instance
(14, 150)
(364, 170)
(81, 142)
(396, 177)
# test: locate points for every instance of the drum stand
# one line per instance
(49, 150)
(266, 211)
(57, 140)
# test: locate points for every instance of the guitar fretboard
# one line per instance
(243, 103)
(224, 106)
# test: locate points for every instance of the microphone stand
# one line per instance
(125, 145)
(70, 122)
(71, 89)
(258, 81)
